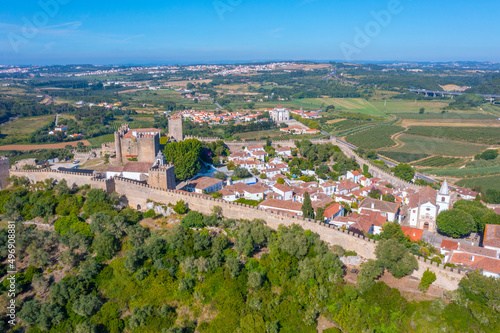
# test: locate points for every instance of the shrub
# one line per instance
(426, 281)
(180, 207)
(193, 220)
(149, 214)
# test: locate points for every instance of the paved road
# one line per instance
(216, 103)
(389, 163)
(418, 175)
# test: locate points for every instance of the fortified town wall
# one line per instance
(138, 194)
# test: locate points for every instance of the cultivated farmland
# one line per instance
(487, 135)
(486, 183)
(437, 161)
(435, 146)
(376, 137)
(403, 157)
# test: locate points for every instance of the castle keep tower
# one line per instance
(175, 128)
(142, 144)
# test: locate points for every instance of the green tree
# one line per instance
(395, 258)
(320, 211)
(106, 245)
(86, 327)
(370, 271)
(489, 154)
(220, 175)
(404, 171)
(307, 208)
(185, 156)
(455, 223)
(281, 181)
(87, 305)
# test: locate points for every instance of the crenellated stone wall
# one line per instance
(138, 194)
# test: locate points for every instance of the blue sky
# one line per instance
(142, 32)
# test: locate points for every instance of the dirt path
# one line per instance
(44, 146)
(406, 285)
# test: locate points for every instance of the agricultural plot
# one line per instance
(437, 161)
(403, 157)
(409, 106)
(487, 135)
(486, 183)
(465, 172)
(345, 126)
(448, 115)
(435, 146)
(376, 137)
(356, 105)
(99, 140)
(25, 126)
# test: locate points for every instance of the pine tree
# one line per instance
(307, 208)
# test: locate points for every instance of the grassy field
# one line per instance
(486, 183)
(25, 126)
(434, 146)
(375, 138)
(487, 135)
(409, 106)
(357, 105)
(465, 172)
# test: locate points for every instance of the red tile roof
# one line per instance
(492, 235)
(476, 261)
(202, 183)
(332, 210)
(449, 244)
(414, 233)
(281, 205)
(424, 195)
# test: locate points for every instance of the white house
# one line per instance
(204, 185)
(355, 176)
(285, 191)
(284, 151)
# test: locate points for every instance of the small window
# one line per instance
(442, 199)
(428, 209)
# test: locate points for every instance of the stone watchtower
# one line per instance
(4, 172)
(175, 128)
(118, 142)
(162, 175)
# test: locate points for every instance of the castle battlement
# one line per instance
(139, 193)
